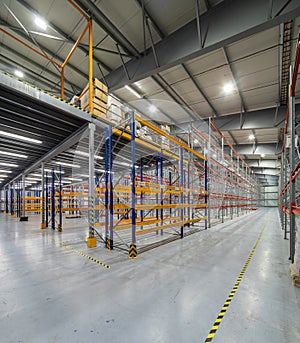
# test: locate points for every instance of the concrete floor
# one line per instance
(174, 293)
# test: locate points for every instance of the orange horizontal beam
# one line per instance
(79, 9)
(30, 47)
(75, 46)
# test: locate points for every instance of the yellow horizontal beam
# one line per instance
(166, 226)
(169, 137)
(146, 144)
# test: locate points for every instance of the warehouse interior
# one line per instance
(149, 161)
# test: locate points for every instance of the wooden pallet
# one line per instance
(295, 276)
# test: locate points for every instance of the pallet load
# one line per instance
(295, 267)
(114, 110)
(165, 143)
(100, 96)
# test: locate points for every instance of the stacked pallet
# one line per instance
(99, 96)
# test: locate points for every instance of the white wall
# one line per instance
(270, 196)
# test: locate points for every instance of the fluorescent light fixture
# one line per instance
(5, 171)
(84, 175)
(22, 138)
(133, 92)
(55, 171)
(152, 109)
(40, 22)
(138, 85)
(19, 74)
(3, 176)
(72, 179)
(263, 155)
(122, 164)
(251, 137)
(12, 154)
(8, 164)
(228, 88)
(86, 154)
(68, 164)
(63, 181)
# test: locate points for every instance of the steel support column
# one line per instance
(106, 156)
(133, 249)
(110, 245)
(43, 223)
(59, 226)
(53, 200)
(23, 217)
(91, 240)
(292, 167)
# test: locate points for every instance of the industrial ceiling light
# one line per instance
(8, 164)
(251, 137)
(84, 175)
(5, 171)
(152, 109)
(40, 22)
(73, 179)
(133, 92)
(22, 138)
(263, 155)
(12, 154)
(55, 171)
(68, 164)
(3, 176)
(228, 88)
(19, 74)
(86, 154)
(33, 179)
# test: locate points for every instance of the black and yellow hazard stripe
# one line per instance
(82, 254)
(48, 93)
(133, 251)
(221, 315)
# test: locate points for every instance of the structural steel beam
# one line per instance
(263, 164)
(153, 22)
(243, 106)
(226, 23)
(260, 119)
(45, 50)
(267, 172)
(64, 145)
(268, 149)
(174, 95)
(214, 111)
(106, 25)
(62, 33)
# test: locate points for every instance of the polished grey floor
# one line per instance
(174, 293)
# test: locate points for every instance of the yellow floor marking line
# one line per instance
(221, 315)
(81, 254)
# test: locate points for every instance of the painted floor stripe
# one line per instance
(218, 321)
(82, 254)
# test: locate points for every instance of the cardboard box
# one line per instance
(99, 93)
(100, 85)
